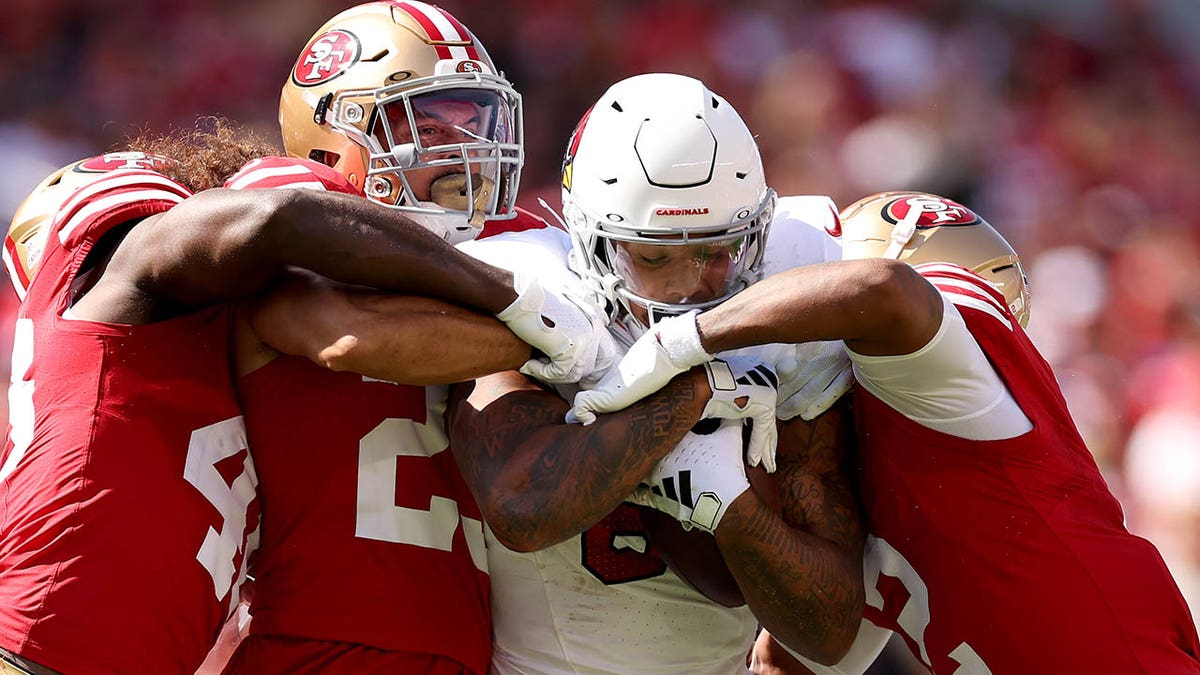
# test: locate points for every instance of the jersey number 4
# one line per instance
(219, 553)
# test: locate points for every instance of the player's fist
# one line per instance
(573, 335)
(744, 387)
(671, 346)
(699, 478)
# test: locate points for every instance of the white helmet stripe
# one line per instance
(964, 287)
(442, 27)
(950, 271)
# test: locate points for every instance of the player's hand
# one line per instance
(812, 377)
(573, 335)
(744, 387)
(698, 480)
(670, 347)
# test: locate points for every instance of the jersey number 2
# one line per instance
(379, 518)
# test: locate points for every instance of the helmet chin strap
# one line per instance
(904, 231)
(453, 191)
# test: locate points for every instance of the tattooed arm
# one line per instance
(801, 574)
(540, 481)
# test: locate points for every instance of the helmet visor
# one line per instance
(443, 120)
(448, 149)
(681, 274)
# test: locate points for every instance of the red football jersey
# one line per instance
(1010, 556)
(126, 492)
(370, 535)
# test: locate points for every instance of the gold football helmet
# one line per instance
(403, 100)
(27, 233)
(918, 227)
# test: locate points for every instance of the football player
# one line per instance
(668, 210)
(995, 544)
(127, 488)
(371, 552)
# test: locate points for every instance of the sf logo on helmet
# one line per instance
(328, 56)
(122, 160)
(934, 211)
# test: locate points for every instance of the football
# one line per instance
(694, 556)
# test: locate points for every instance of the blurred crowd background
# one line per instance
(1072, 126)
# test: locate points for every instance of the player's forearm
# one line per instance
(407, 339)
(804, 589)
(864, 302)
(222, 245)
(421, 341)
(356, 241)
(540, 481)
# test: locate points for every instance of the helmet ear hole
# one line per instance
(324, 157)
(378, 187)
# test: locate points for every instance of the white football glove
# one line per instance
(698, 480)
(572, 335)
(745, 387)
(812, 378)
(672, 346)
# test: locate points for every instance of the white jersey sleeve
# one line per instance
(948, 385)
(541, 251)
(799, 234)
(868, 645)
(812, 375)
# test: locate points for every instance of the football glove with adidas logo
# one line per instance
(697, 481)
(744, 387)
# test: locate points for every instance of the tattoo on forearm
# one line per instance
(804, 573)
(562, 478)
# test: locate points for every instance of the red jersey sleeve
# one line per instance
(289, 172)
(121, 196)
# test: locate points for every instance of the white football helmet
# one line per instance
(664, 196)
(30, 224)
(918, 227)
(403, 100)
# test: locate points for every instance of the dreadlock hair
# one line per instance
(206, 155)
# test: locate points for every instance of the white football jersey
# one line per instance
(800, 234)
(598, 602)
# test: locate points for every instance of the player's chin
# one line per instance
(693, 556)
